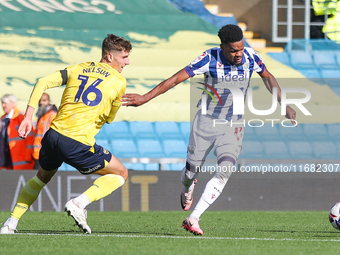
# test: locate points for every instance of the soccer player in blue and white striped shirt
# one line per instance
(230, 65)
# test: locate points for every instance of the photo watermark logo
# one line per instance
(238, 102)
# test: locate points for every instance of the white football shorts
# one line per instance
(209, 132)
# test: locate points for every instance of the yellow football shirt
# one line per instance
(90, 99)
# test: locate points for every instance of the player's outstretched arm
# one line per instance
(26, 124)
(270, 82)
(164, 86)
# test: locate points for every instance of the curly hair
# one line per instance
(230, 33)
(115, 43)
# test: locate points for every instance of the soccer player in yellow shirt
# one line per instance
(90, 99)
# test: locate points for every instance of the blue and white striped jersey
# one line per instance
(219, 73)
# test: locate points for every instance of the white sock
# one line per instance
(211, 192)
(11, 223)
(82, 201)
(188, 178)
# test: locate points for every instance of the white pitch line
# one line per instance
(187, 237)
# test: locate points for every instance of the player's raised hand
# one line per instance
(132, 100)
(291, 114)
(25, 128)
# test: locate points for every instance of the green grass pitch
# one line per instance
(225, 232)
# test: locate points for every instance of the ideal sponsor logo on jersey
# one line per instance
(235, 77)
(96, 70)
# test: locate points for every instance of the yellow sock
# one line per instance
(104, 186)
(28, 195)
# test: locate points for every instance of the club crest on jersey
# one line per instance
(202, 56)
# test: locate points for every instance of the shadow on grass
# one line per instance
(67, 232)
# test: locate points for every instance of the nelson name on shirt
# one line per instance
(96, 70)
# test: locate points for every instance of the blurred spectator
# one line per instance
(325, 11)
(46, 113)
(15, 153)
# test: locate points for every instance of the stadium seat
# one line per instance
(276, 150)
(101, 134)
(325, 150)
(267, 132)
(315, 132)
(331, 77)
(134, 166)
(151, 166)
(312, 73)
(333, 131)
(118, 130)
(124, 148)
(104, 143)
(167, 129)
(252, 150)
(337, 59)
(336, 90)
(142, 129)
(177, 166)
(282, 57)
(338, 148)
(175, 148)
(324, 60)
(63, 167)
(150, 148)
(292, 133)
(185, 130)
(300, 150)
(249, 133)
(301, 60)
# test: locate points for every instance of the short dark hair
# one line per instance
(230, 33)
(115, 43)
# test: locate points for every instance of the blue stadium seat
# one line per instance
(134, 166)
(333, 131)
(337, 59)
(175, 148)
(336, 90)
(142, 129)
(300, 150)
(167, 167)
(276, 150)
(150, 148)
(124, 148)
(185, 130)
(151, 166)
(292, 133)
(324, 60)
(118, 129)
(267, 132)
(330, 74)
(104, 143)
(338, 148)
(249, 133)
(252, 149)
(63, 167)
(167, 129)
(312, 73)
(101, 134)
(325, 150)
(177, 166)
(301, 60)
(315, 132)
(282, 57)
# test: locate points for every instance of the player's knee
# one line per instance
(125, 173)
(224, 171)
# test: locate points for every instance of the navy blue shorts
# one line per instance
(57, 149)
